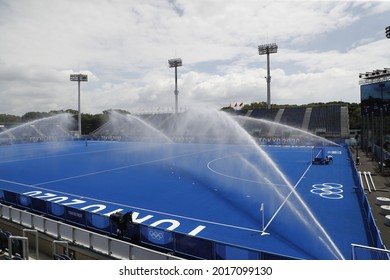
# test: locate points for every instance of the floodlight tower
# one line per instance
(175, 62)
(388, 32)
(79, 78)
(267, 49)
(381, 86)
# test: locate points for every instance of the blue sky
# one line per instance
(124, 47)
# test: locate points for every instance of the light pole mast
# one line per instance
(79, 78)
(175, 62)
(267, 49)
(381, 86)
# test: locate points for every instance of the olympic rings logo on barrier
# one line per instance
(155, 234)
(328, 190)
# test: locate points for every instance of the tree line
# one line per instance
(91, 122)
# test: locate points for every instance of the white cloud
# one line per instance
(124, 46)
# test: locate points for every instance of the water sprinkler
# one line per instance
(262, 219)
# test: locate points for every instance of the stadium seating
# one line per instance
(61, 257)
(324, 120)
(293, 116)
(327, 118)
(267, 114)
(17, 246)
(3, 240)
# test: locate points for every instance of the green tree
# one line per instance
(8, 119)
(30, 116)
(90, 123)
(354, 111)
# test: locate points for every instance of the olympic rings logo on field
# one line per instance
(155, 234)
(328, 190)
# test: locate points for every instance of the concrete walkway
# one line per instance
(382, 184)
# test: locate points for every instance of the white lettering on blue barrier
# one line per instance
(74, 202)
(97, 208)
(46, 195)
(58, 199)
(139, 221)
(196, 230)
(174, 223)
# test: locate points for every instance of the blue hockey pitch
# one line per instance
(217, 193)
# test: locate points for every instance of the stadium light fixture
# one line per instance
(79, 78)
(268, 49)
(375, 76)
(388, 32)
(174, 63)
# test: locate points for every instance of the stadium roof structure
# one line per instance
(375, 76)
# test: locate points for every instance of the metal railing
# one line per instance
(375, 253)
(94, 241)
(25, 252)
(35, 232)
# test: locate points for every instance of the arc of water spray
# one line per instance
(65, 116)
(169, 140)
(285, 200)
(151, 128)
(336, 251)
(304, 132)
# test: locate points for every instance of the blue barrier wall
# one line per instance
(152, 237)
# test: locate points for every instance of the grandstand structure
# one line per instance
(325, 121)
(331, 122)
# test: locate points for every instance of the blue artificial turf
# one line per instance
(310, 211)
